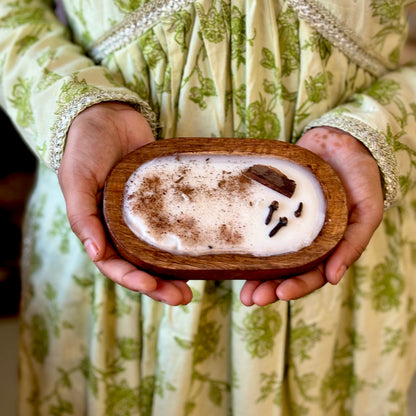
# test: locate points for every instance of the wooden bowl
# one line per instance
(224, 266)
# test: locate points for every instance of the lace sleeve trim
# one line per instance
(375, 143)
(134, 25)
(331, 28)
(73, 108)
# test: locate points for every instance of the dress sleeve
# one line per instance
(46, 80)
(383, 118)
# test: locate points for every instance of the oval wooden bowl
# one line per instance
(224, 266)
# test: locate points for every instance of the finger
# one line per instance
(124, 273)
(246, 293)
(85, 222)
(265, 293)
(185, 290)
(171, 292)
(302, 285)
(348, 252)
(361, 227)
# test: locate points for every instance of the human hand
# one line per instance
(97, 139)
(360, 176)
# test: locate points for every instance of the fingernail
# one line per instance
(91, 249)
(340, 272)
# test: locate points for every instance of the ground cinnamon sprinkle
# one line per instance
(157, 192)
(199, 205)
(228, 234)
(236, 183)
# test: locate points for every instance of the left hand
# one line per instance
(97, 139)
(360, 176)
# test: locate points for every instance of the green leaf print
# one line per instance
(270, 87)
(341, 382)
(90, 375)
(84, 281)
(394, 341)
(386, 286)
(213, 24)
(26, 42)
(65, 378)
(40, 340)
(46, 57)
(206, 341)
(316, 88)
(189, 407)
(324, 47)
(198, 94)
(259, 330)
(288, 27)
(215, 393)
(338, 384)
(151, 48)
(395, 54)
(139, 87)
(185, 344)
(239, 38)
(180, 23)
(303, 338)
(147, 387)
(73, 89)
(60, 229)
(48, 79)
(129, 348)
(122, 307)
(398, 399)
(262, 122)
(413, 108)
(122, 400)
(387, 11)
(270, 386)
(383, 90)
(239, 97)
(389, 14)
(50, 292)
(84, 35)
(63, 407)
(129, 5)
(20, 100)
(268, 60)
(319, 43)
(24, 15)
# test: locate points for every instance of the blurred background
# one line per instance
(17, 166)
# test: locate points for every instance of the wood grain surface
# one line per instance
(224, 266)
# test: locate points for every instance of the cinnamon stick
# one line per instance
(272, 178)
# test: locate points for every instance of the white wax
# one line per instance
(201, 204)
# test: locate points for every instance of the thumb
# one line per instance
(356, 238)
(85, 222)
(81, 198)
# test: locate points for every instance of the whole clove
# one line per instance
(272, 208)
(298, 212)
(282, 223)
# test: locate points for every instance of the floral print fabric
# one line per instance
(245, 69)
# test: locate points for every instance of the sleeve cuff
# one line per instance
(67, 114)
(376, 143)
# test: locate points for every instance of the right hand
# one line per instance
(97, 139)
(360, 176)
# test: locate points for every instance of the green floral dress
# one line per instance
(242, 68)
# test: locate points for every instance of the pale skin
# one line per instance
(102, 134)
